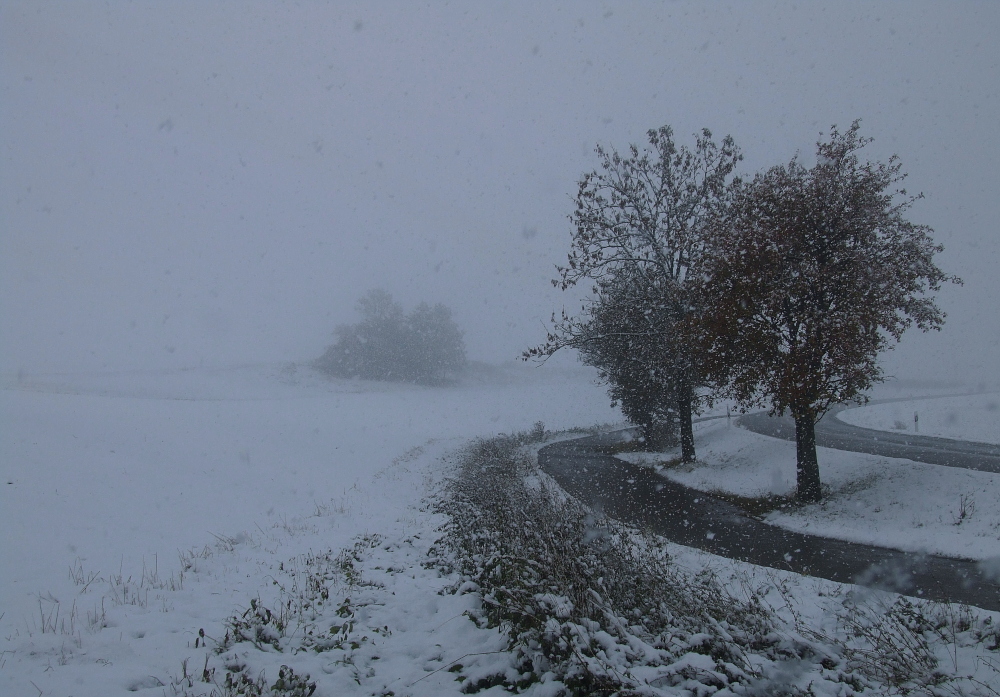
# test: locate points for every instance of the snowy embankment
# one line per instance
(974, 417)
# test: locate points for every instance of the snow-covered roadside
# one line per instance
(159, 636)
(372, 619)
(333, 574)
(878, 500)
(973, 417)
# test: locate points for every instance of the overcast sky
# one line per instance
(216, 183)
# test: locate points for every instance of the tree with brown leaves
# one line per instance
(812, 274)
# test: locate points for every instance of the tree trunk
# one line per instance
(807, 464)
(684, 411)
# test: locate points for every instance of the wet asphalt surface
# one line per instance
(834, 433)
(638, 496)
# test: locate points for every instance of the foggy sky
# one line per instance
(217, 183)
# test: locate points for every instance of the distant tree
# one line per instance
(435, 345)
(812, 274)
(425, 346)
(640, 225)
(373, 348)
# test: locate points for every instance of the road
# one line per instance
(638, 496)
(831, 432)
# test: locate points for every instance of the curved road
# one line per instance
(637, 495)
(831, 432)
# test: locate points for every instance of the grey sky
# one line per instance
(218, 182)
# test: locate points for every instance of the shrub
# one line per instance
(582, 598)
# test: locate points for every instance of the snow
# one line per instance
(145, 512)
(973, 417)
(872, 499)
(117, 474)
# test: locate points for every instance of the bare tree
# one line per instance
(640, 223)
(813, 273)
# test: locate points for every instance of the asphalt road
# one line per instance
(831, 432)
(638, 496)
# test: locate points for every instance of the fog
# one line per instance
(215, 183)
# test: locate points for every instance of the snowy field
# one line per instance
(973, 417)
(108, 479)
(150, 515)
(878, 500)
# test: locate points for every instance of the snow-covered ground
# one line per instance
(107, 478)
(878, 500)
(147, 514)
(973, 417)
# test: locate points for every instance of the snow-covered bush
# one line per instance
(912, 646)
(592, 607)
(585, 600)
